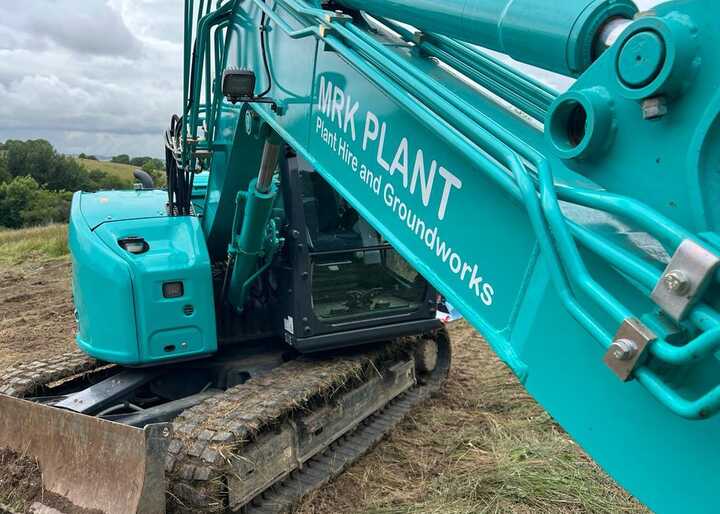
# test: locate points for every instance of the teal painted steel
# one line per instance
(558, 35)
(111, 206)
(128, 320)
(547, 243)
(235, 163)
(250, 239)
(546, 240)
(106, 325)
(641, 59)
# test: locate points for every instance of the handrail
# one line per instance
(192, 107)
(460, 111)
(284, 26)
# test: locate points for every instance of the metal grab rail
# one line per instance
(284, 26)
(484, 133)
(701, 346)
(192, 107)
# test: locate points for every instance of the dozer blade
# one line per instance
(93, 463)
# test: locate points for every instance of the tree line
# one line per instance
(146, 163)
(37, 182)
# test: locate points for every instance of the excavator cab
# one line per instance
(352, 286)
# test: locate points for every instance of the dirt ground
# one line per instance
(21, 478)
(481, 446)
(36, 312)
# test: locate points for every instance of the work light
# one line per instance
(238, 85)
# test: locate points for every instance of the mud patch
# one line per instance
(21, 486)
(20, 480)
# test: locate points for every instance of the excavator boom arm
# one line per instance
(576, 231)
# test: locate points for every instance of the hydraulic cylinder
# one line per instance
(249, 235)
(558, 35)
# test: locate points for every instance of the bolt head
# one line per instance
(676, 282)
(624, 349)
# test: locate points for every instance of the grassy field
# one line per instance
(482, 446)
(123, 171)
(18, 246)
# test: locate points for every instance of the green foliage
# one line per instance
(39, 160)
(123, 171)
(4, 173)
(36, 183)
(102, 181)
(140, 161)
(159, 178)
(14, 197)
(23, 203)
(121, 159)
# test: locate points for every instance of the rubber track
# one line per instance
(258, 406)
(25, 379)
(321, 469)
(209, 436)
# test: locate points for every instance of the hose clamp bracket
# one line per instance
(685, 279)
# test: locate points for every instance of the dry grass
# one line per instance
(48, 242)
(482, 446)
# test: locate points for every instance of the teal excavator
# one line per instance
(249, 331)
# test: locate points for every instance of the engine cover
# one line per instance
(142, 281)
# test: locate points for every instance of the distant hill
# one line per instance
(122, 171)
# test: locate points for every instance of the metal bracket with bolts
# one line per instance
(685, 279)
(337, 16)
(628, 347)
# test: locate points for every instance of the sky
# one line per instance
(101, 77)
(89, 75)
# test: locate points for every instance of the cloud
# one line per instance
(82, 32)
(91, 76)
(98, 76)
(81, 26)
